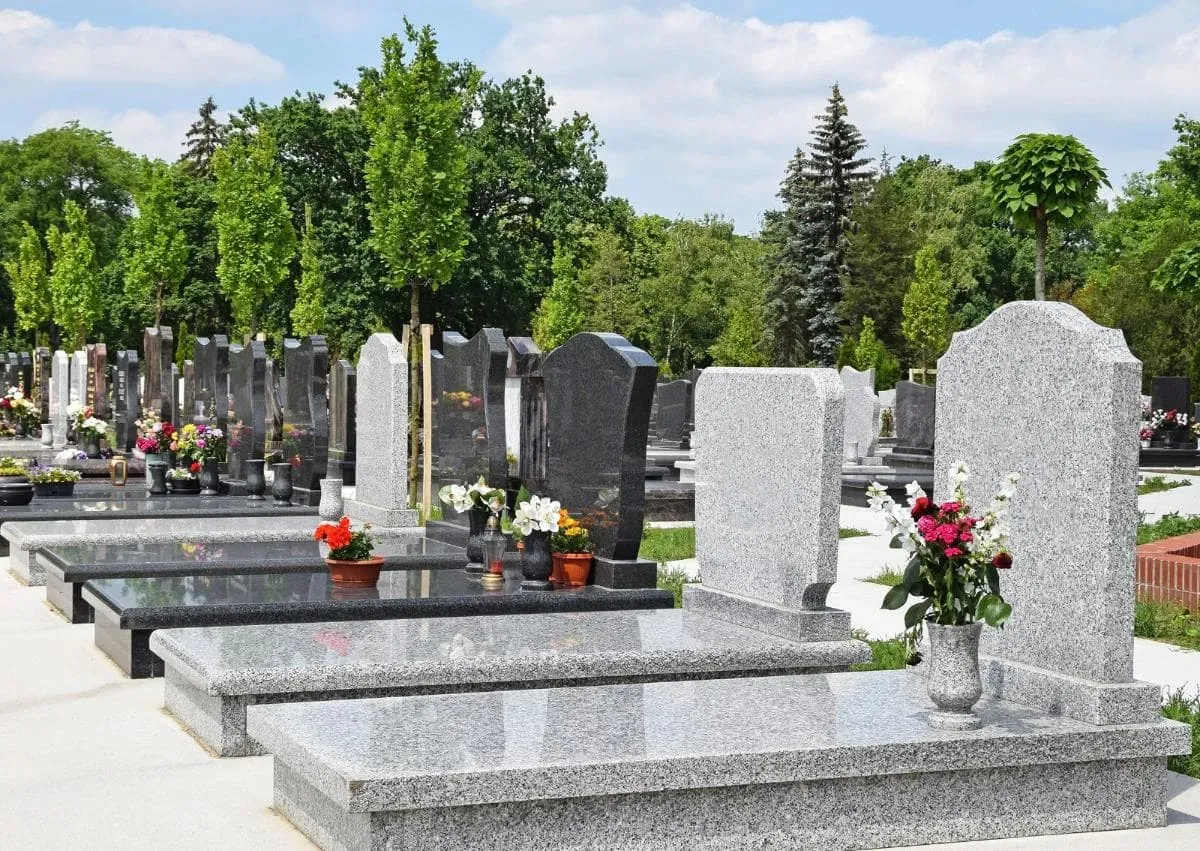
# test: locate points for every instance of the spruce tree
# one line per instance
(204, 138)
(810, 236)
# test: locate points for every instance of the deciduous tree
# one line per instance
(74, 282)
(927, 310)
(156, 248)
(32, 302)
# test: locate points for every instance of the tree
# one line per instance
(869, 352)
(204, 138)
(560, 315)
(255, 240)
(927, 310)
(308, 316)
(784, 231)
(74, 284)
(1045, 178)
(156, 248)
(416, 175)
(27, 276)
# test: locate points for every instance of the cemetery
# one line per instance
(375, 477)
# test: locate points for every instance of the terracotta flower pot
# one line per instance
(574, 568)
(363, 574)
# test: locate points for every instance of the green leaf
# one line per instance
(1030, 199)
(993, 579)
(895, 597)
(915, 613)
(912, 573)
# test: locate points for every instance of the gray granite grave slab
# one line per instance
(767, 562)
(60, 396)
(78, 387)
(212, 677)
(381, 489)
(816, 761)
(41, 381)
(1041, 390)
(128, 610)
(860, 426)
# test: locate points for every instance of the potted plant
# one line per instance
(479, 501)
(572, 547)
(15, 488)
(154, 440)
(1172, 426)
(202, 445)
(184, 480)
(350, 560)
(53, 481)
(89, 429)
(535, 520)
(955, 559)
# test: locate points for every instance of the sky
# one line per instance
(700, 104)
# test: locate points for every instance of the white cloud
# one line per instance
(153, 134)
(689, 99)
(34, 48)
(337, 15)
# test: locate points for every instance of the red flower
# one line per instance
(953, 552)
(1002, 561)
(921, 507)
(195, 468)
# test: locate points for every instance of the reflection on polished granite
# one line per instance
(137, 505)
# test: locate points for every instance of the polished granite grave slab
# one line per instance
(68, 568)
(213, 674)
(814, 761)
(26, 536)
(128, 610)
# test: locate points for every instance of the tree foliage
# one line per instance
(32, 302)
(204, 138)
(927, 311)
(155, 246)
(74, 282)
(308, 316)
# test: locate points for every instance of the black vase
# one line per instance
(158, 477)
(281, 489)
(477, 517)
(91, 447)
(537, 565)
(210, 480)
(256, 480)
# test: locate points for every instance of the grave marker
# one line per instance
(915, 416)
(41, 381)
(306, 415)
(525, 363)
(97, 373)
(1170, 393)
(127, 404)
(158, 349)
(343, 383)
(60, 395)
(247, 427)
(671, 424)
(79, 378)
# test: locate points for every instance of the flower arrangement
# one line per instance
(479, 495)
(40, 475)
(183, 474)
(539, 514)
(19, 410)
(87, 424)
(955, 557)
(13, 470)
(461, 399)
(199, 443)
(1167, 423)
(345, 544)
(154, 435)
(571, 537)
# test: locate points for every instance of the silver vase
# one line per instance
(954, 684)
(330, 507)
(47, 434)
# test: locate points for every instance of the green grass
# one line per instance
(886, 576)
(1158, 484)
(889, 654)
(673, 580)
(1168, 526)
(668, 544)
(1179, 707)
(1166, 621)
(843, 534)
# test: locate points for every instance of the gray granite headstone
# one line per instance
(861, 422)
(1171, 393)
(525, 364)
(343, 387)
(853, 378)
(175, 400)
(599, 388)
(97, 379)
(158, 353)
(60, 396)
(768, 563)
(1039, 389)
(381, 488)
(306, 415)
(41, 381)
(916, 416)
(127, 404)
(79, 378)
(692, 375)
(671, 422)
(247, 422)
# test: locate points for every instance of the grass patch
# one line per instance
(1167, 526)
(1158, 484)
(673, 580)
(886, 576)
(1179, 707)
(1166, 621)
(888, 654)
(668, 544)
(843, 534)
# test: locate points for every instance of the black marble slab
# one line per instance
(128, 610)
(136, 505)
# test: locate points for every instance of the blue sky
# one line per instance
(700, 104)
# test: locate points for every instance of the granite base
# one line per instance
(128, 648)
(67, 598)
(624, 573)
(23, 566)
(793, 624)
(823, 761)
(380, 517)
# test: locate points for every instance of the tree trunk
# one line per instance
(1039, 274)
(414, 392)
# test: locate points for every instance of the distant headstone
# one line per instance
(861, 412)
(381, 489)
(25, 373)
(247, 421)
(1171, 393)
(127, 404)
(60, 396)
(854, 378)
(306, 415)
(41, 381)
(343, 386)
(273, 391)
(212, 378)
(692, 375)
(97, 379)
(176, 399)
(915, 411)
(525, 364)
(768, 564)
(158, 353)
(7, 368)
(598, 393)
(671, 424)
(191, 405)
(1039, 389)
(79, 377)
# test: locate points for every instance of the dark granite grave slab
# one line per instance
(343, 440)
(127, 401)
(97, 379)
(128, 610)
(306, 415)
(525, 363)
(915, 416)
(1171, 393)
(158, 349)
(212, 379)
(25, 373)
(41, 381)
(69, 567)
(672, 413)
(247, 427)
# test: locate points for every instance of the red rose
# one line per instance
(921, 507)
(1002, 561)
(195, 468)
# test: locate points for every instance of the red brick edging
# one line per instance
(1170, 570)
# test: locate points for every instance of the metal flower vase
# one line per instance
(281, 487)
(157, 472)
(210, 479)
(954, 684)
(256, 480)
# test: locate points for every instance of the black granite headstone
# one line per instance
(273, 391)
(599, 388)
(25, 376)
(212, 378)
(671, 424)
(158, 354)
(247, 429)
(191, 405)
(127, 403)
(916, 406)
(343, 399)
(525, 363)
(1171, 393)
(306, 415)
(10, 370)
(97, 379)
(41, 381)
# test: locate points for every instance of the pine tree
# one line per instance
(810, 237)
(204, 138)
